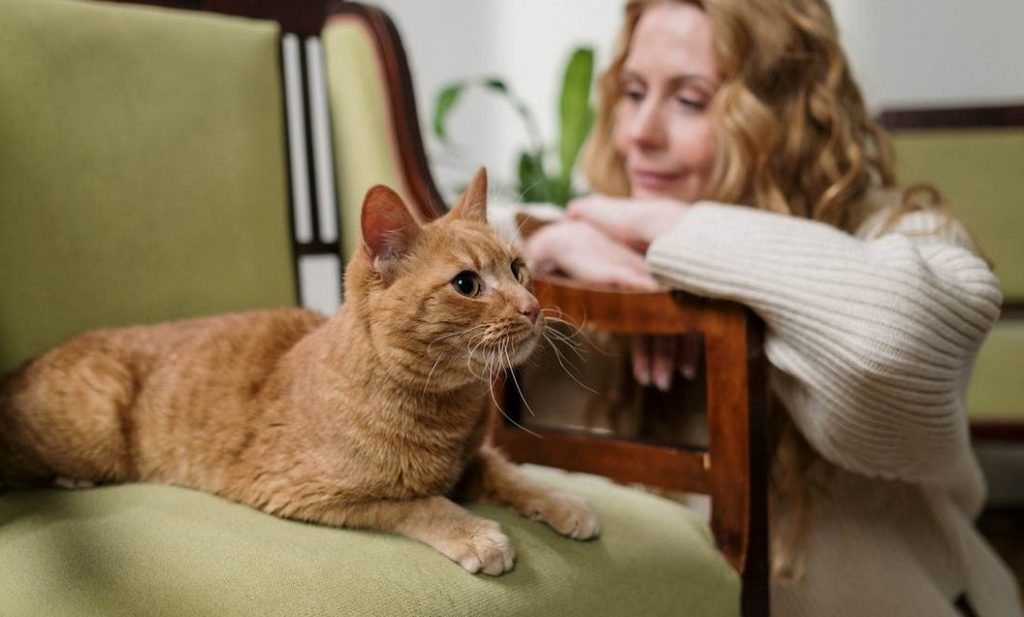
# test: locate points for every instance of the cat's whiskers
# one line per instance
(451, 334)
(509, 418)
(558, 356)
(499, 407)
(512, 373)
(471, 350)
(567, 340)
(577, 331)
(431, 373)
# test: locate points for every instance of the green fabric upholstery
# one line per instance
(149, 550)
(364, 148)
(997, 389)
(980, 172)
(142, 169)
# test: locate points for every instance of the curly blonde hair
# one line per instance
(793, 133)
(793, 136)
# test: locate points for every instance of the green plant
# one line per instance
(535, 182)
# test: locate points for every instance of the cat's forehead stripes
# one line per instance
(475, 245)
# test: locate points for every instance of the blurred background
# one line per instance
(921, 53)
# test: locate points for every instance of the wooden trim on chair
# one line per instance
(304, 17)
(952, 118)
(997, 430)
(402, 99)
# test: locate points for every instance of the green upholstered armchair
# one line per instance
(974, 156)
(158, 163)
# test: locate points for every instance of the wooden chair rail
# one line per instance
(676, 469)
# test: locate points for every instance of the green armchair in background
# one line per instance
(975, 156)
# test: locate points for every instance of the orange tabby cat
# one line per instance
(372, 418)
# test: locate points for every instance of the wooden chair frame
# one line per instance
(733, 470)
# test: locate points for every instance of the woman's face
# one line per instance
(662, 130)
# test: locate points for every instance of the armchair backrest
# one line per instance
(974, 157)
(373, 116)
(142, 169)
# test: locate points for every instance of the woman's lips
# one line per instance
(652, 179)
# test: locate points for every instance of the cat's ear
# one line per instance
(472, 205)
(388, 227)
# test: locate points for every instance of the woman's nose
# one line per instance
(648, 129)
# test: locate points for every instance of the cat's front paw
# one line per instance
(485, 549)
(567, 514)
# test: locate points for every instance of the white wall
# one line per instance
(524, 42)
(904, 52)
(935, 52)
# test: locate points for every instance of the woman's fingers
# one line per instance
(584, 253)
(632, 221)
(689, 351)
(640, 351)
(663, 357)
(656, 358)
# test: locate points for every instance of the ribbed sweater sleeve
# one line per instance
(874, 336)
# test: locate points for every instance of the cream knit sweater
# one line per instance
(871, 339)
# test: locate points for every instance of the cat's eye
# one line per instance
(467, 283)
(518, 270)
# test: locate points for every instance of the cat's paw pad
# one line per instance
(569, 515)
(486, 549)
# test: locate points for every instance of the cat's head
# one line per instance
(448, 302)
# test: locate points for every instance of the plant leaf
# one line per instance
(534, 186)
(446, 98)
(575, 112)
(496, 84)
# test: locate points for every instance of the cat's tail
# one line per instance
(19, 464)
(6, 454)
(63, 415)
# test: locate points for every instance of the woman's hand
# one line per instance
(630, 220)
(602, 241)
(636, 222)
(586, 254)
(657, 358)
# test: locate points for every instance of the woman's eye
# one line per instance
(634, 95)
(467, 283)
(518, 271)
(691, 104)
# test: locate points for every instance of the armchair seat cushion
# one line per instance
(158, 550)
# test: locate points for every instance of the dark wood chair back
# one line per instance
(732, 470)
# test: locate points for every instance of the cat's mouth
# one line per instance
(510, 350)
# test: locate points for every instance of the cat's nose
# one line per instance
(530, 310)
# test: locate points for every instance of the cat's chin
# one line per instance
(524, 348)
(508, 354)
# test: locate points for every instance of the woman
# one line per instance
(876, 302)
